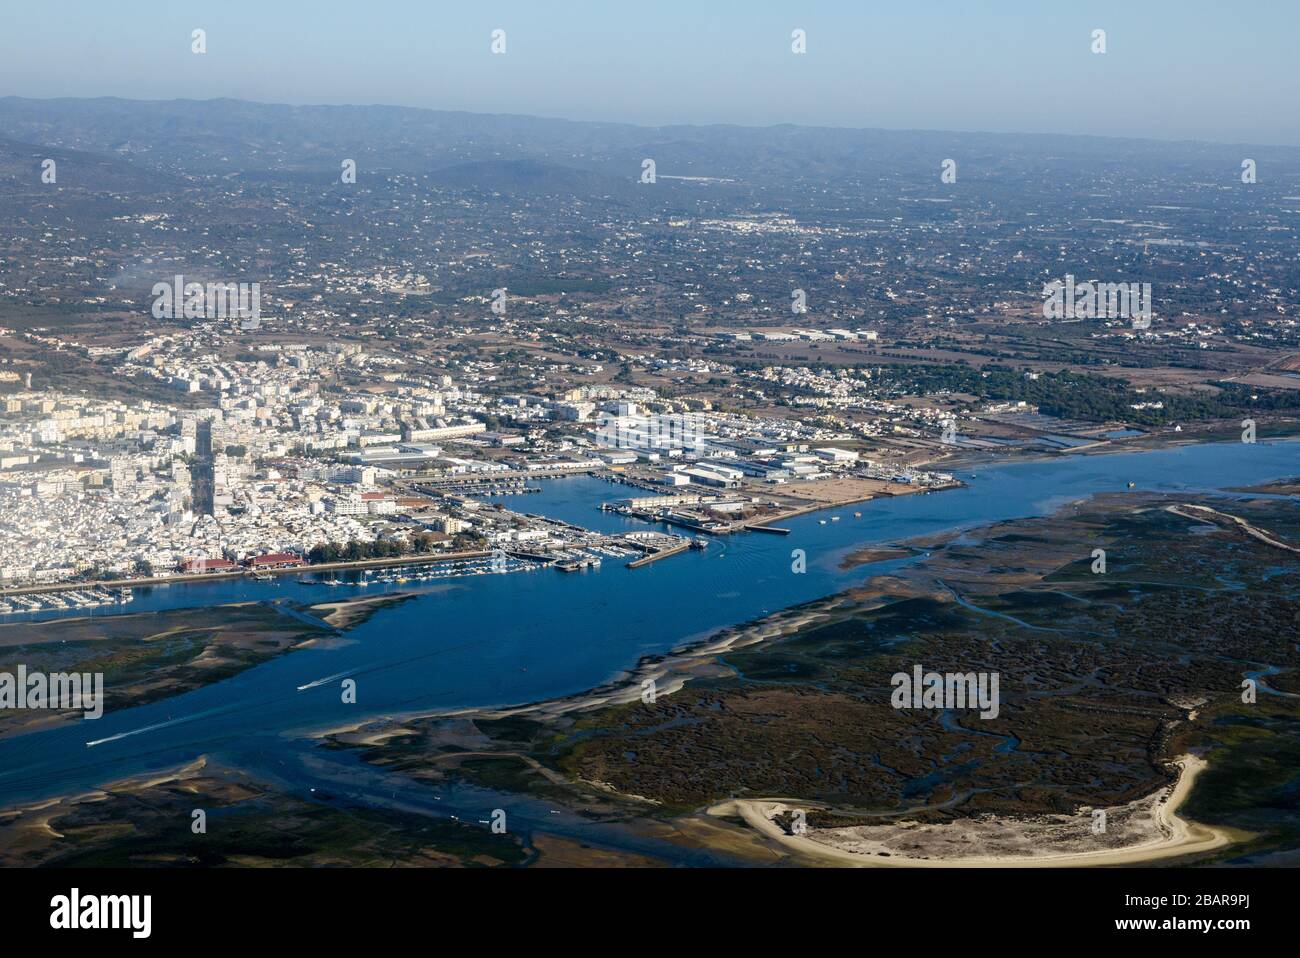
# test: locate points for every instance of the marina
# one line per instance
(64, 600)
(442, 649)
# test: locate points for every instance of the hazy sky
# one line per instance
(1174, 69)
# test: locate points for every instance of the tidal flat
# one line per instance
(148, 656)
(1106, 678)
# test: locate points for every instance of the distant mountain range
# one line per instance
(532, 177)
(21, 166)
(522, 153)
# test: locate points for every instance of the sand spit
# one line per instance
(1200, 513)
(670, 674)
(1144, 830)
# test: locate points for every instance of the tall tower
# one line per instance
(203, 480)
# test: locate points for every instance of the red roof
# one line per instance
(276, 558)
(207, 565)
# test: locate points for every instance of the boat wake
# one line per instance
(158, 725)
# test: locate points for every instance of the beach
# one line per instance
(1167, 835)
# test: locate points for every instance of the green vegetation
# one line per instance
(1077, 395)
(355, 551)
(1099, 674)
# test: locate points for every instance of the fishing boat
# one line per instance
(577, 564)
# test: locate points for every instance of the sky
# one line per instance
(1173, 69)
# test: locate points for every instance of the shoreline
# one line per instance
(190, 578)
(687, 660)
(622, 688)
(692, 660)
(1148, 442)
(1160, 831)
(348, 613)
(1176, 836)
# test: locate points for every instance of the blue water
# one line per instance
(1070, 441)
(507, 639)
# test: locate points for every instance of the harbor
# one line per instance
(750, 510)
(497, 640)
(63, 600)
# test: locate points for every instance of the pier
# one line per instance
(656, 556)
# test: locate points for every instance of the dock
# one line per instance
(656, 556)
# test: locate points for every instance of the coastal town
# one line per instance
(257, 452)
(421, 486)
(274, 470)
